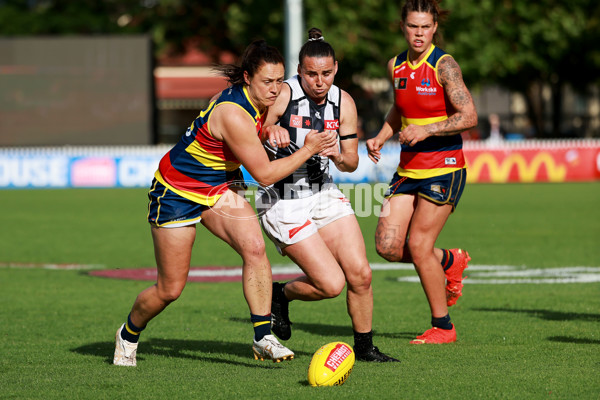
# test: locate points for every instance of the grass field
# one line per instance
(516, 340)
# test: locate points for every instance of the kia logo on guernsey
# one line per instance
(332, 124)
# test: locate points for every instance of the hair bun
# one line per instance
(315, 34)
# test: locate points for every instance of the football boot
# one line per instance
(454, 275)
(125, 351)
(269, 348)
(436, 336)
(280, 319)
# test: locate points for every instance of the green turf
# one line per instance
(524, 341)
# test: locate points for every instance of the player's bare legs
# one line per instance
(421, 221)
(172, 250)
(427, 223)
(349, 251)
(392, 229)
(234, 221)
(329, 260)
(324, 278)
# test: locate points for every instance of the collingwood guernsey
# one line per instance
(300, 117)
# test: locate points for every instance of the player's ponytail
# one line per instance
(257, 53)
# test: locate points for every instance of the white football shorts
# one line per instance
(286, 222)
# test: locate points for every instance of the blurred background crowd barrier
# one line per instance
(134, 166)
(100, 111)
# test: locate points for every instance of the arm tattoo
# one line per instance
(457, 93)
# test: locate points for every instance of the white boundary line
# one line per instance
(477, 274)
(506, 274)
(52, 266)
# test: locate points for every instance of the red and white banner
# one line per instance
(554, 161)
(134, 166)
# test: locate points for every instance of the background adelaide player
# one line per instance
(432, 106)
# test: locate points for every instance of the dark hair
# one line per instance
(256, 54)
(316, 46)
(426, 6)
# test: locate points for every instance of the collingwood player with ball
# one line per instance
(305, 214)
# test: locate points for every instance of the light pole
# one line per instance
(294, 28)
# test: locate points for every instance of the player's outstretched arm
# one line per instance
(234, 126)
(391, 125)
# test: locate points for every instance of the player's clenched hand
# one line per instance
(374, 146)
(316, 142)
(412, 134)
(333, 152)
(276, 136)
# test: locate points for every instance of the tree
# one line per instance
(519, 44)
(526, 46)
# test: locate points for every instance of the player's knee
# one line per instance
(360, 280)
(332, 288)
(388, 252)
(418, 249)
(253, 249)
(170, 294)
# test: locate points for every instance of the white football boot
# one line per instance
(124, 350)
(269, 348)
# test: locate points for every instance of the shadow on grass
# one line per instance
(337, 331)
(200, 350)
(569, 339)
(316, 329)
(399, 335)
(549, 315)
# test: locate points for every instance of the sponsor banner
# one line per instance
(78, 168)
(535, 164)
(525, 161)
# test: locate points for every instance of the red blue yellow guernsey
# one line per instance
(200, 167)
(420, 98)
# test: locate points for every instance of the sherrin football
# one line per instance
(331, 365)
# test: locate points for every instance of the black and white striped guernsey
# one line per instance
(300, 117)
